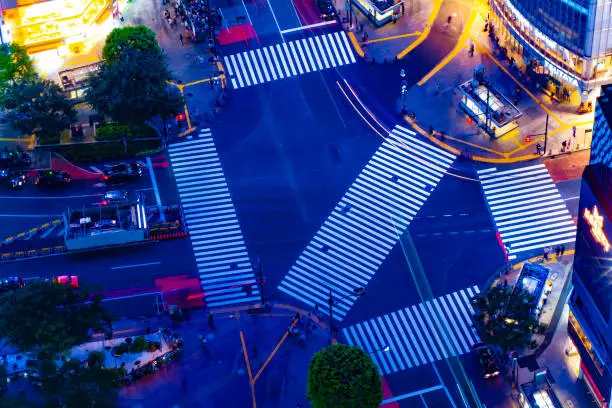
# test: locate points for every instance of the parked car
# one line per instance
(70, 280)
(327, 9)
(10, 283)
(13, 178)
(487, 363)
(123, 172)
(52, 178)
(115, 197)
(15, 160)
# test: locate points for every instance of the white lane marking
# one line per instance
(136, 265)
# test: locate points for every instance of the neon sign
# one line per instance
(595, 221)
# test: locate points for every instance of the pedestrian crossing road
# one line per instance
(420, 334)
(365, 225)
(223, 263)
(527, 208)
(289, 59)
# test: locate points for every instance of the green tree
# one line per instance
(139, 38)
(342, 376)
(15, 64)
(37, 106)
(50, 317)
(134, 88)
(505, 318)
(76, 385)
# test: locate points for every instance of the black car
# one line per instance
(12, 178)
(328, 10)
(11, 283)
(15, 160)
(121, 173)
(487, 363)
(52, 178)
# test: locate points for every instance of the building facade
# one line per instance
(590, 317)
(570, 39)
(601, 146)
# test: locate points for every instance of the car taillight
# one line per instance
(105, 177)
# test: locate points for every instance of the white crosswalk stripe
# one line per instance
(289, 59)
(527, 208)
(366, 224)
(220, 252)
(420, 334)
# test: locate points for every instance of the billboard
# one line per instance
(593, 258)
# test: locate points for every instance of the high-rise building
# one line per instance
(590, 322)
(570, 40)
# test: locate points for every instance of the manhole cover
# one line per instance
(554, 276)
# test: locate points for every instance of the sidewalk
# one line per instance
(190, 63)
(394, 38)
(551, 346)
(461, 134)
(219, 374)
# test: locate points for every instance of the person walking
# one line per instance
(211, 322)
(562, 249)
(557, 251)
(181, 38)
(546, 252)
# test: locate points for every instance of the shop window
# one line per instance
(585, 340)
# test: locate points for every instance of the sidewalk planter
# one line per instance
(111, 150)
(114, 132)
(380, 12)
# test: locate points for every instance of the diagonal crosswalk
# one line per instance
(527, 208)
(365, 225)
(420, 334)
(289, 59)
(220, 251)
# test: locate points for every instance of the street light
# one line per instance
(357, 292)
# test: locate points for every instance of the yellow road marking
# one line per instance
(393, 37)
(458, 47)
(499, 64)
(248, 364)
(426, 30)
(355, 43)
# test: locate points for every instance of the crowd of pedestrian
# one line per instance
(201, 17)
(559, 251)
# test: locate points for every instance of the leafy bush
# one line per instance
(342, 376)
(115, 132)
(96, 358)
(98, 152)
(153, 346)
(138, 345)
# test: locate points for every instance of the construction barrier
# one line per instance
(32, 253)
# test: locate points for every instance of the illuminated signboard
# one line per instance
(595, 221)
(560, 74)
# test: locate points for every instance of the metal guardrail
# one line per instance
(32, 253)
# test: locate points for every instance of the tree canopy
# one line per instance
(15, 64)
(77, 385)
(504, 318)
(342, 376)
(50, 317)
(134, 88)
(138, 38)
(37, 106)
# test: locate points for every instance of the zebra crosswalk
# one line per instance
(365, 225)
(527, 208)
(289, 59)
(222, 260)
(420, 334)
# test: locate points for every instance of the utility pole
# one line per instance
(261, 286)
(545, 134)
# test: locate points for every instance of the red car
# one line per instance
(71, 280)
